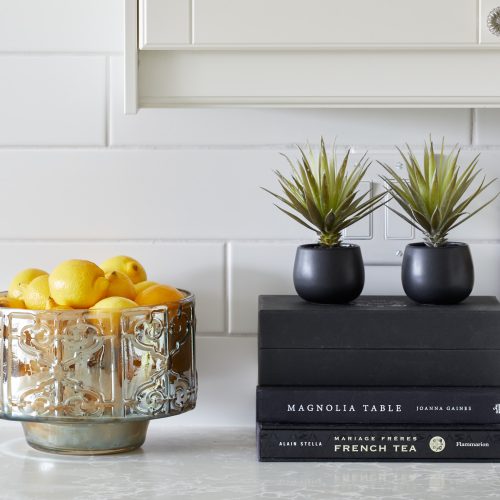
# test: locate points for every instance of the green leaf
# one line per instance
(314, 214)
(437, 192)
(325, 194)
(475, 211)
(329, 221)
(295, 218)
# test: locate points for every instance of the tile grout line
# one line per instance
(192, 22)
(473, 132)
(227, 287)
(107, 241)
(385, 150)
(107, 116)
(55, 53)
(194, 241)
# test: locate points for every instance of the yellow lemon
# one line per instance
(25, 277)
(120, 285)
(108, 315)
(11, 303)
(158, 294)
(37, 293)
(52, 305)
(127, 265)
(77, 283)
(142, 285)
(115, 303)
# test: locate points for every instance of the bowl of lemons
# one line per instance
(92, 353)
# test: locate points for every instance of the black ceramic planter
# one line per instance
(440, 275)
(333, 275)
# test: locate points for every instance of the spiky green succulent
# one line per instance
(436, 195)
(324, 195)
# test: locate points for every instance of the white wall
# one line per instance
(179, 189)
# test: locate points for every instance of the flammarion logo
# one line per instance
(437, 444)
(496, 409)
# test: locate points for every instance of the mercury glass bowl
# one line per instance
(88, 382)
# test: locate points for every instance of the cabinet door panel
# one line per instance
(164, 22)
(294, 22)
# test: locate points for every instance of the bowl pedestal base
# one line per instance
(81, 438)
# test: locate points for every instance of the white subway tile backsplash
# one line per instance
(227, 369)
(382, 280)
(202, 194)
(61, 26)
(197, 267)
(486, 258)
(178, 194)
(52, 101)
(255, 269)
(194, 127)
(487, 130)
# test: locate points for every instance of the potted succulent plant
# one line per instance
(324, 196)
(434, 199)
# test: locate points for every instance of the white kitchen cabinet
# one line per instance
(310, 22)
(313, 52)
(164, 23)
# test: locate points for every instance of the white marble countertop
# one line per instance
(215, 463)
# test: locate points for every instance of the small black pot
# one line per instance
(437, 275)
(333, 275)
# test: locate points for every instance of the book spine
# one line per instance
(379, 367)
(336, 443)
(311, 405)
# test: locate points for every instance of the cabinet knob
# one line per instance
(493, 21)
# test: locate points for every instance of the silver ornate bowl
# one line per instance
(89, 382)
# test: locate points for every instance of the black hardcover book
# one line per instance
(402, 443)
(371, 367)
(378, 322)
(388, 405)
(378, 341)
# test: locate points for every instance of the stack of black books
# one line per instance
(382, 378)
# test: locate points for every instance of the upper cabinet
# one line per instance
(292, 23)
(312, 52)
